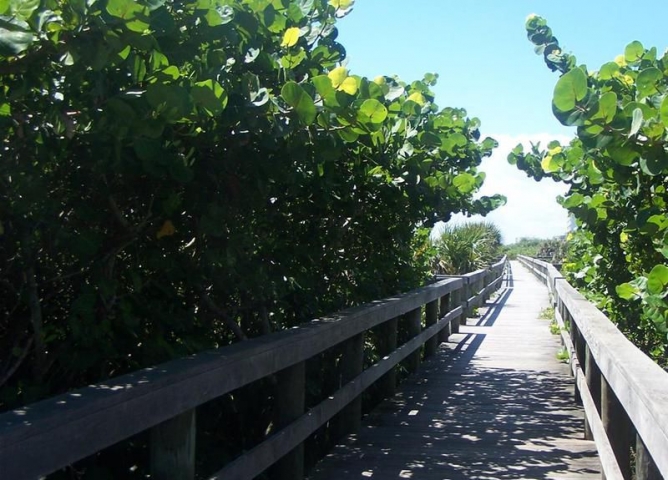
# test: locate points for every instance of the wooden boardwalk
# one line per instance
(495, 403)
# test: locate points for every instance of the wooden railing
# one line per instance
(623, 392)
(44, 437)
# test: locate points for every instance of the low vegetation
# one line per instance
(466, 247)
(551, 250)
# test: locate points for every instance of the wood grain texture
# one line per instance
(98, 416)
(640, 385)
(493, 403)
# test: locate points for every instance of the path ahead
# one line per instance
(495, 403)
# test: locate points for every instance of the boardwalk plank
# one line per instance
(494, 403)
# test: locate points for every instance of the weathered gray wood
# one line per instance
(616, 426)
(456, 301)
(98, 416)
(352, 363)
(444, 308)
(610, 467)
(262, 456)
(591, 405)
(95, 417)
(173, 448)
(387, 336)
(593, 376)
(431, 317)
(412, 322)
(645, 466)
(290, 404)
(478, 409)
(466, 294)
(640, 384)
(575, 341)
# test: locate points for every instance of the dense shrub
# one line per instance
(180, 175)
(616, 169)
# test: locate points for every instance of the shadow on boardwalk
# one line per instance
(466, 418)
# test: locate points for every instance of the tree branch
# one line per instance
(231, 324)
(8, 374)
(37, 321)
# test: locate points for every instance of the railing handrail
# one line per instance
(640, 385)
(95, 417)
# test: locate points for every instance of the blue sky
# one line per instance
(487, 66)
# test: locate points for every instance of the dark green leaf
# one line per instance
(209, 95)
(300, 101)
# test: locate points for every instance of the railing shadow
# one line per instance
(464, 419)
(509, 280)
(482, 423)
(494, 309)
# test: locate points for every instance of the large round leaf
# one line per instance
(465, 182)
(633, 52)
(657, 279)
(300, 101)
(210, 95)
(570, 89)
(647, 81)
(372, 111)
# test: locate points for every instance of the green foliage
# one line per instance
(180, 175)
(547, 313)
(551, 250)
(466, 247)
(563, 355)
(616, 169)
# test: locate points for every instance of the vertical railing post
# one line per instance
(574, 340)
(387, 336)
(617, 426)
(431, 317)
(646, 469)
(413, 321)
(352, 363)
(485, 282)
(456, 301)
(173, 448)
(290, 405)
(466, 292)
(593, 376)
(444, 308)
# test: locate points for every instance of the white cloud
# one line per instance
(532, 210)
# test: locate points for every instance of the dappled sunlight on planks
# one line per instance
(494, 404)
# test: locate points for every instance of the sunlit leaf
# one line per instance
(570, 89)
(418, 98)
(337, 76)
(210, 95)
(290, 37)
(372, 111)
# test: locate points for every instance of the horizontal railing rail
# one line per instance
(623, 392)
(44, 437)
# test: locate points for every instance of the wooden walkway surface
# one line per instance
(495, 403)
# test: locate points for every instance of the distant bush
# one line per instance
(552, 250)
(467, 247)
